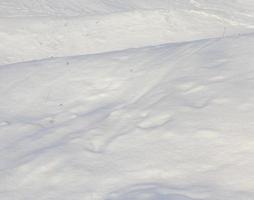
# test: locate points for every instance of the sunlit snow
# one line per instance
(126, 100)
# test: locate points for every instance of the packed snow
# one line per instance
(126, 100)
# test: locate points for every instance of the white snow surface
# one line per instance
(35, 29)
(126, 100)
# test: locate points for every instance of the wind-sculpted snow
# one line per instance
(169, 122)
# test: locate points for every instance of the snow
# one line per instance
(126, 100)
(29, 35)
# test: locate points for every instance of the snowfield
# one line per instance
(36, 29)
(126, 100)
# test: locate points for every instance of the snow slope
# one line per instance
(124, 118)
(173, 119)
(41, 29)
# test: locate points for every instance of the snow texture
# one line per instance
(126, 100)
